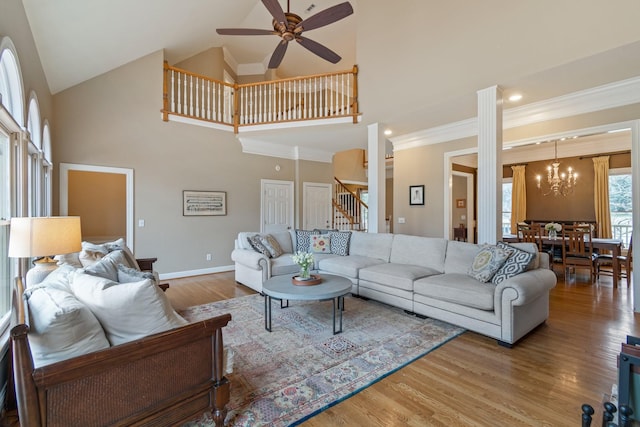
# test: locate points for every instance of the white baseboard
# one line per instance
(188, 273)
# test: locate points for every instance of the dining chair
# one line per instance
(533, 234)
(577, 250)
(625, 261)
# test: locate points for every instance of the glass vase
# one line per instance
(553, 234)
(305, 272)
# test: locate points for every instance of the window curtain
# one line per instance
(601, 195)
(518, 197)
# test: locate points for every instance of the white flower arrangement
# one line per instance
(553, 226)
(304, 260)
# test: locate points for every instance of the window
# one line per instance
(620, 204)
(10, 81)
(507, 186)
(5, 213)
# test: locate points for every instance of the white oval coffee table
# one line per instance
(281, 288)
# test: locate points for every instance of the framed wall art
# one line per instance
(461, 203)
(416, 195)
(204, 203)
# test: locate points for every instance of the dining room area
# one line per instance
(554, 189)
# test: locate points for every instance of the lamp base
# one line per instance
(40, 271)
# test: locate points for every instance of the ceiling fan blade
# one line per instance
(320, 50)
(244, 32)
(326, 17)
(274, 8)
(278, 54)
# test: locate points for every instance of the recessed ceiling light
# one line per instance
(515, 97)
(387, 132)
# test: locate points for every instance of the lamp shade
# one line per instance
(44, 236)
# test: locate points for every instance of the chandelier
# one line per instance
(557, 183)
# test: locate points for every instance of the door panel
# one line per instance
(277, 206)
(317, 206)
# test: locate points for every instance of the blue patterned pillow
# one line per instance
(487, 262)
(517, 263)
(303, 240)
(340, 242)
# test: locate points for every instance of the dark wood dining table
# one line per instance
(613, 245)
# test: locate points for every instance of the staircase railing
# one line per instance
(320, 96)
(350, 212)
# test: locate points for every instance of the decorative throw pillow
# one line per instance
(272, 245)
(256, 244)
(303, 240)
(340, 242)
(128, 274)
(107, 266)
(320, 244)
(61, 327)
(60, 278)
(517, 263)
(128, 311)
(487, 262)
(91, 253)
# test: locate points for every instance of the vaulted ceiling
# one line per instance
(421, 61)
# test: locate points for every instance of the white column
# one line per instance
(635, 206)
(376, 175)
(489, 165)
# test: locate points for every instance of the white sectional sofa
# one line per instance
(423, 275)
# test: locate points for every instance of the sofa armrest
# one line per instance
(525, 287)
(251, 259)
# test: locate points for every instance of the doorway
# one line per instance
(102, 197)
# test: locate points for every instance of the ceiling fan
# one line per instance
(290, 26)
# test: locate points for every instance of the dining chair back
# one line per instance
(577, 250)
(625, 261)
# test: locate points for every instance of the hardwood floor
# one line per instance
(472, 381)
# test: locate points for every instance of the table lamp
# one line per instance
(31, 237)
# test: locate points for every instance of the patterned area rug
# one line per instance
(284, 377)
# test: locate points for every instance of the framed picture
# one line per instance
(204, 203)
(461, 203)
(416, 195)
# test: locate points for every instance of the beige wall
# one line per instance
(100, 200)
(114, 120)
(209, 63)
(348, 166)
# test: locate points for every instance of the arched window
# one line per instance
(35, 172)
(33, 121)
(47, 167)
(11, 81)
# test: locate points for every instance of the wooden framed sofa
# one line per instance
(164, 378)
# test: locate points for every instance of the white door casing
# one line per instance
(276, 206)
(316, 199)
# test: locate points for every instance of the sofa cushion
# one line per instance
(347, 266)
(285, 240)
(126, 311)
(61, 327)
(340, 242)
(400, 276)
(60, 278)
(457, 288)
(256, 245)
(303, 240)
(528, 247)
(428, 252)
(371, 245)
(320, 244)
(93, 252)
(272, 245)
(517, 263)
(487, 262)
(460, 256)
(283, 265)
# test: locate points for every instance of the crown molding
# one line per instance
(612, 95)
(262, 148)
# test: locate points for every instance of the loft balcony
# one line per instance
(318, 99)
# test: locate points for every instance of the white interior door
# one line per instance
(316, 199)
(276, 213)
